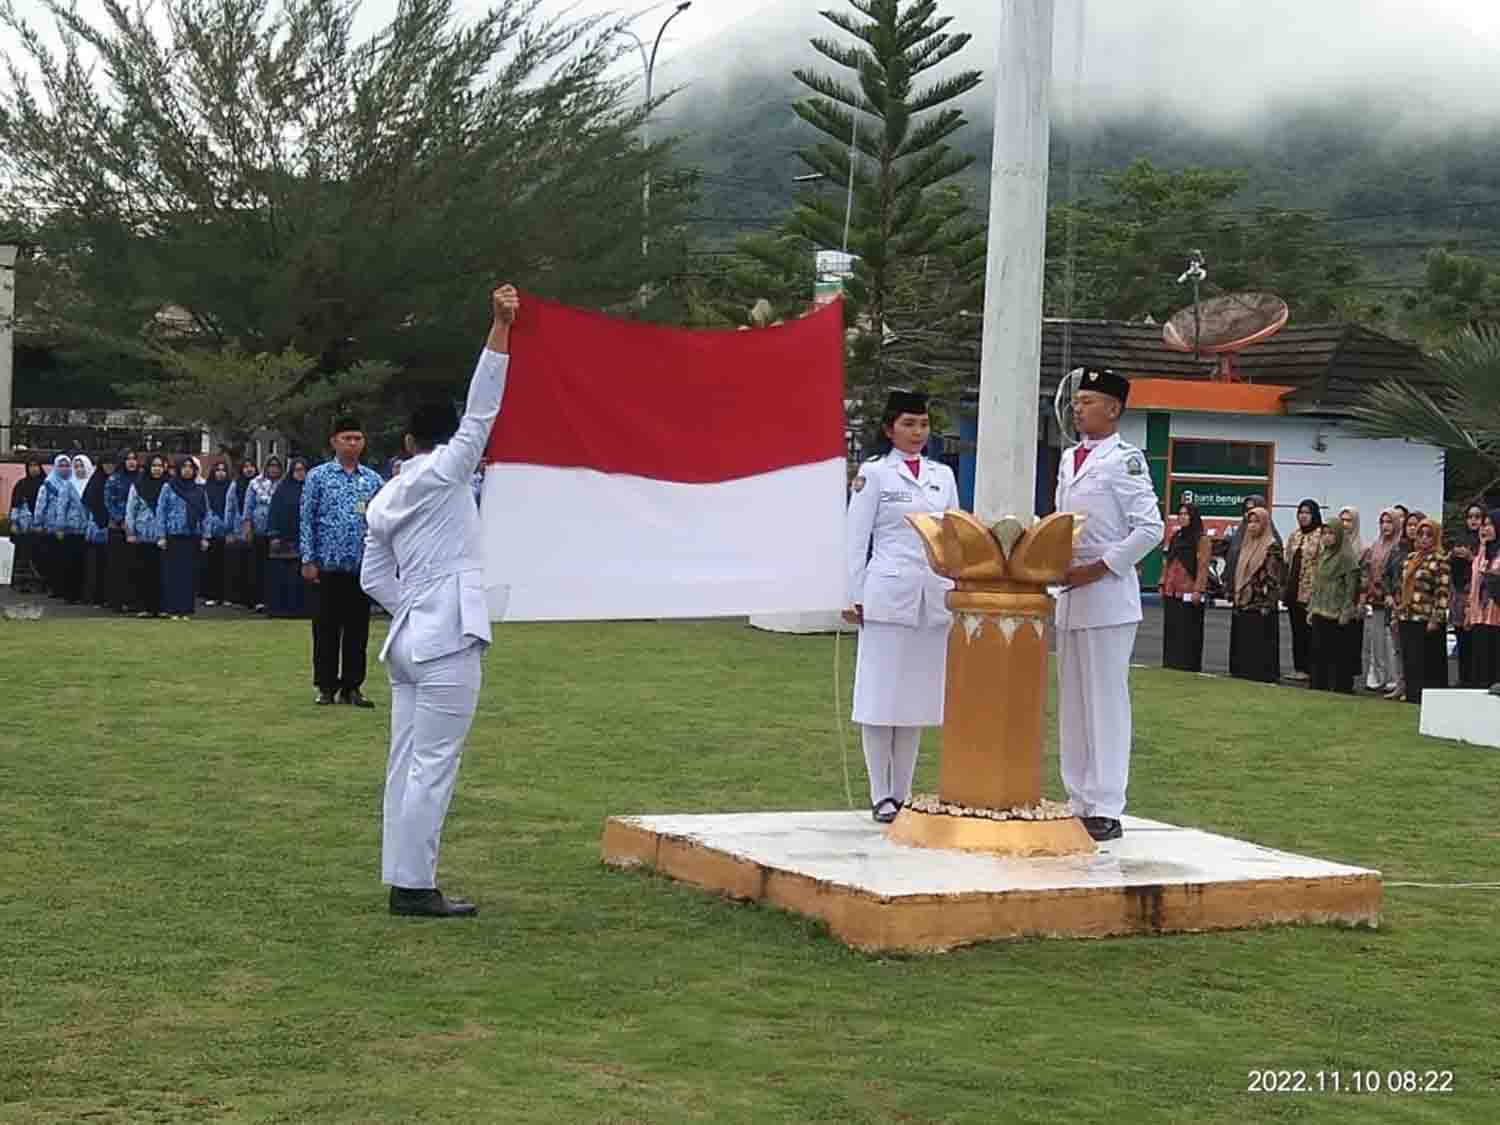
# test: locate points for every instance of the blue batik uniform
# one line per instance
(234, 516)
(258, 504)
(333, 516)
(60, 510)
(172, 518)
(140, 517)
(20, 517)
(117, 496)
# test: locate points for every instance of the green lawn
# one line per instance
(192, 926)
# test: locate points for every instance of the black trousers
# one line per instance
(179, 574)
(1424, 658)
(96, 573)
(1354, 650)
(1466, 660)
(341, 631)
(239, 562)
(146, 577)
(1182, 635)
(44, 555)
(260, 570)
(211, 571)
(1255, 645)
(1330, 669)
(120, 564)
(69, 555)
(1484, 654)
(1302, 636)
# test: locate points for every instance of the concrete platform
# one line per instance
(878, 895)
(1465, 714)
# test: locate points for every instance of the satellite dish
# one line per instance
(1225, 325)
(1062, 404)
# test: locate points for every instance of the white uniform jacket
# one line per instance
(1113, 489)
(893, 581)
(423, 558)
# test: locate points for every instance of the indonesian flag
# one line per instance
(642, 471)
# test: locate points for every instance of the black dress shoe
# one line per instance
(1103, 828)
(429, 903)
(354, 699)
(325, 699)
(886, 810)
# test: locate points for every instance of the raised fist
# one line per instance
(506, 302)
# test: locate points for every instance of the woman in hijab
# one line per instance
(1423, 612)
(1302, 552)
(22, 509)
(182, 518)
(83, 472)
(96, 536)
(1354, 630)
(142, 533)
(1395, 564)
(286, 595)
(1483, 615)
(1182, 589)
(60, 514)
(255, 517)
(1334, 603)
(120, 558)
(1461, 566)
(1255, 625)
(211, 573)
(238, 559)
(1381, 671)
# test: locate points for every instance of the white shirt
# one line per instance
(423, 559)
(888, 571)
(1124, 524)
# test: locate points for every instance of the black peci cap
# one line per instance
(1106, 382)
(346, 424)
(906, 402)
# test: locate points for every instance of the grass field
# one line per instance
(192, 926)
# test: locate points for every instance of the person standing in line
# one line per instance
(60, 513)
(22, 511)
(83, 474)
(182, 530)
(120, 557)
(1483, 616)
(1379, 649)
(1108, 482)
(286, 593)
(1257, 580)
(1423, 612)
(256, 517)
(1395, 563)
(332, 540)
(96, 582)
(1353, 631)
(1333, 604)
(1461, 560)
(238, 559)
(211, 569)
(142, 534)
(1183, 586)
(1303, 549)
(898, 602)
(423, 564)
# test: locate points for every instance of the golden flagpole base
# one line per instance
(1020, 838)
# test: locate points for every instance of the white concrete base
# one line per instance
(880, 895)
(7, 561)
(801, 623)
(1465, 714)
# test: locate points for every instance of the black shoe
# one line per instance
(1103, 828)
(886, 810)
(431, 903)
(354, 699)
(325, 698)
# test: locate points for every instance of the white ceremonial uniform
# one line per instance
(1096, 624)
(900, 670)
(423, 563)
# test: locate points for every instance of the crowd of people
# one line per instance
(147, 535)
(1377, 614)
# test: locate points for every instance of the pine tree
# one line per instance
(919, 252)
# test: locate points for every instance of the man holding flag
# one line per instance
(422, 562)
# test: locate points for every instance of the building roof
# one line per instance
(1326, 366)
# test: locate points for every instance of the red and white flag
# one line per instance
(643, 471)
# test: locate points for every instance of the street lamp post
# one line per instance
(648, 63)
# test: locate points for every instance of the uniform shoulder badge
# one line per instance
(1135, 464)
(857, 483)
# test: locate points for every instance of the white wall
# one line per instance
(1364, 472)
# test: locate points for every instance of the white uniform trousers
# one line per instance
(1093, 717)
(432, 708)
(890, 760)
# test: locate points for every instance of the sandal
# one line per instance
(880, 813)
